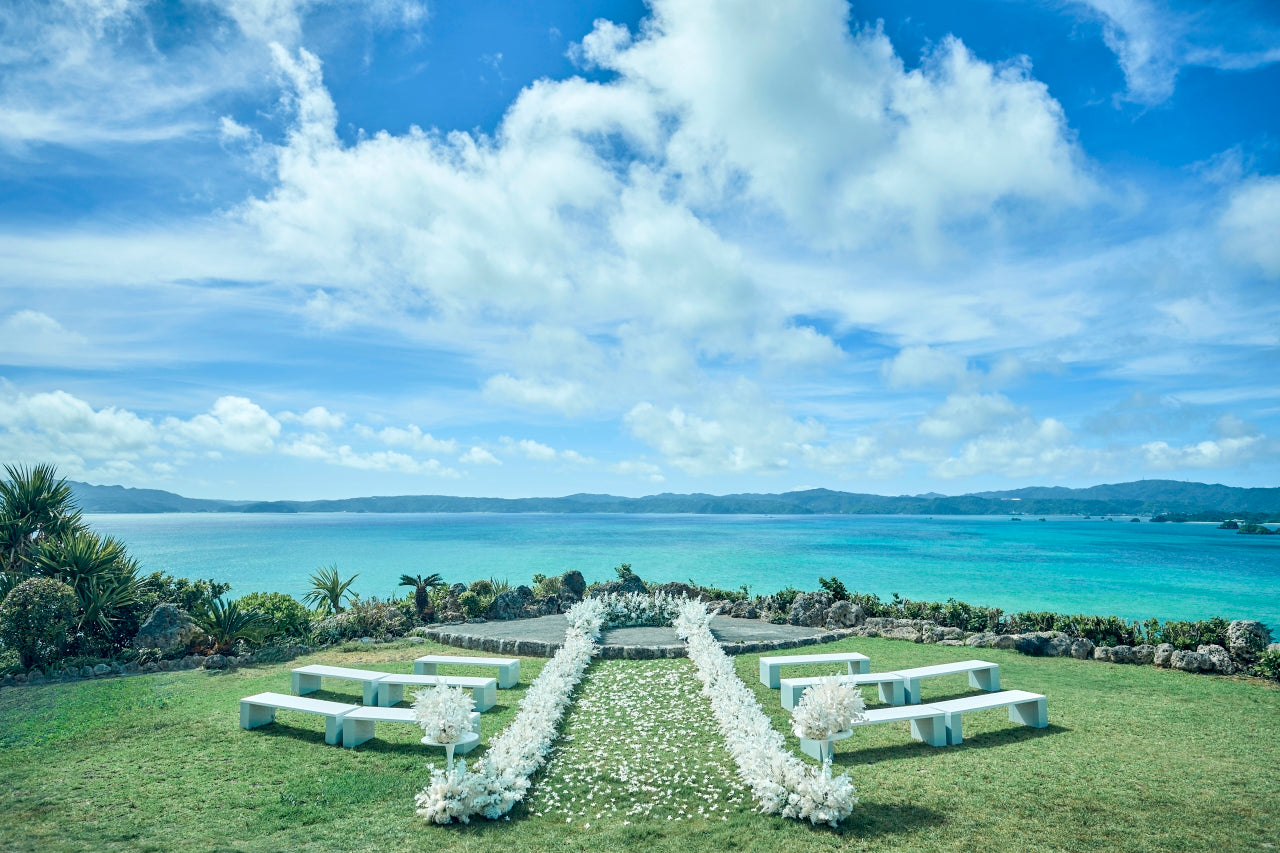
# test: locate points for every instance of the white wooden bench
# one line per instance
(260, 709)
(508, 668)
(770, 667)
(982, 675)
(483, 690)
(306, 679)
(357, 725)
(928, 724)
(889, 684)
(1029, 709)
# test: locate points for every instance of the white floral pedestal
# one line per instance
(466, 743)
(823, 749)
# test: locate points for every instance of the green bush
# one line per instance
(716, 592)
(472, 604)
(1186, 635)
(381, 620)
(35, 617)
(545, 587)
(1268, 666)
(783, 598)
(481, 588)
(834, 586)
(285, 616)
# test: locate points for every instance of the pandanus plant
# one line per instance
(227, 622)
(328, 589)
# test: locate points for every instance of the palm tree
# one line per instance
(226, 623)
(422, 590)
(328, 589)
(99, 570)
(36, 507)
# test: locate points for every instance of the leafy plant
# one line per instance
(834, 586)
(103, 576)
(471, 603)
(328, 589)
(481, 588)
(284, 615)
(547, 587)
(499, 586)
(624, 571)
(1268, 666)
(422, 587)
(35, 617)
(226, 623)
(36, 507)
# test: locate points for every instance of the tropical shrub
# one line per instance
(35, 617)
(783, 598)
(1268, 666)
(1186, 635)
(472, 604)
(329, 590)
(713, 592)
(36, 507)
(482, 588)
(381, 620)
(834, 586)
(105, 580)
(284, 615)
(547, 587)
(229, 622)
(422, 587)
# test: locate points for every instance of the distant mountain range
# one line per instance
(1197, 501)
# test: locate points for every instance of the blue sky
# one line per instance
(298, 249)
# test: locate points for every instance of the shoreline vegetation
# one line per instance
(74, 605)
(1160, 500)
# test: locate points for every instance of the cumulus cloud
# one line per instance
(479, 456)
(317, 418)
(411, 436)
(59, 427)
(1027, 448)
(638, 468)
(33, 337)
(234, 423)
(1219, 453)
(569, 398)
(317, 447)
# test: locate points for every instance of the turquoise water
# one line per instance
(1170, 571)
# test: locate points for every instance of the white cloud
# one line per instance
(32, 337)
(964, 415)
(637, 468)
(532, 449)
(62, 428)
(1219, 453)
(479, 456)
(1154, 42)
(918, 366)
(1027, 448)
(317, 417)
(234, 423)
(411, 436)
(566, 397)
(1251, 221)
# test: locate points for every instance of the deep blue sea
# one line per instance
(1136, 571)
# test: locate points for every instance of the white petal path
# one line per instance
(640, 744)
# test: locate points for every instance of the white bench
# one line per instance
(306, 679)
(260, 709)
(889, 684)
(357, 725)
(508, 668)
(928, 724)
(982, 675)
(771, 666)
(1029, 709)
(483, 690)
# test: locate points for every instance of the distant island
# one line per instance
(1165, 500)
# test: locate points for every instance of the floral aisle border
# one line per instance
(780, 782)
(499, 780)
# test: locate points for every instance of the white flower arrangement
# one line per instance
(826, 708)
(780, 782)
(499, 780)
(444, 713)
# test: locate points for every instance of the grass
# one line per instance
(1134, 758)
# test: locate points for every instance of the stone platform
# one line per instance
(541, 637)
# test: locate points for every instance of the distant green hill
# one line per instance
(1194, 501)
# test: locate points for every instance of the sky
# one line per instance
(296, 249)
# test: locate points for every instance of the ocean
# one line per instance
(1070, 565)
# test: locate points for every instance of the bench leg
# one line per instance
(356, 732)
(390, 694)
(252, 716)
(1034, 713)
(911, 690)
(475, 726)
(985, 679)
(484, 697)
(423, 668)
(791, 694)
(304, 684)
(891, 692)
(464, 748)
(954, 733)
(931, 730)
(769, 674)
(509, 675)
(813, 748)
(863, 667)
(370, 693)
(332, 729)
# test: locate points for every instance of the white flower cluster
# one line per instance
(779, 781)
(499, 780)
(625, 609)
(826, 708)
(443, 712)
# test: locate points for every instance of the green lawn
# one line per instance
(1134, 758)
